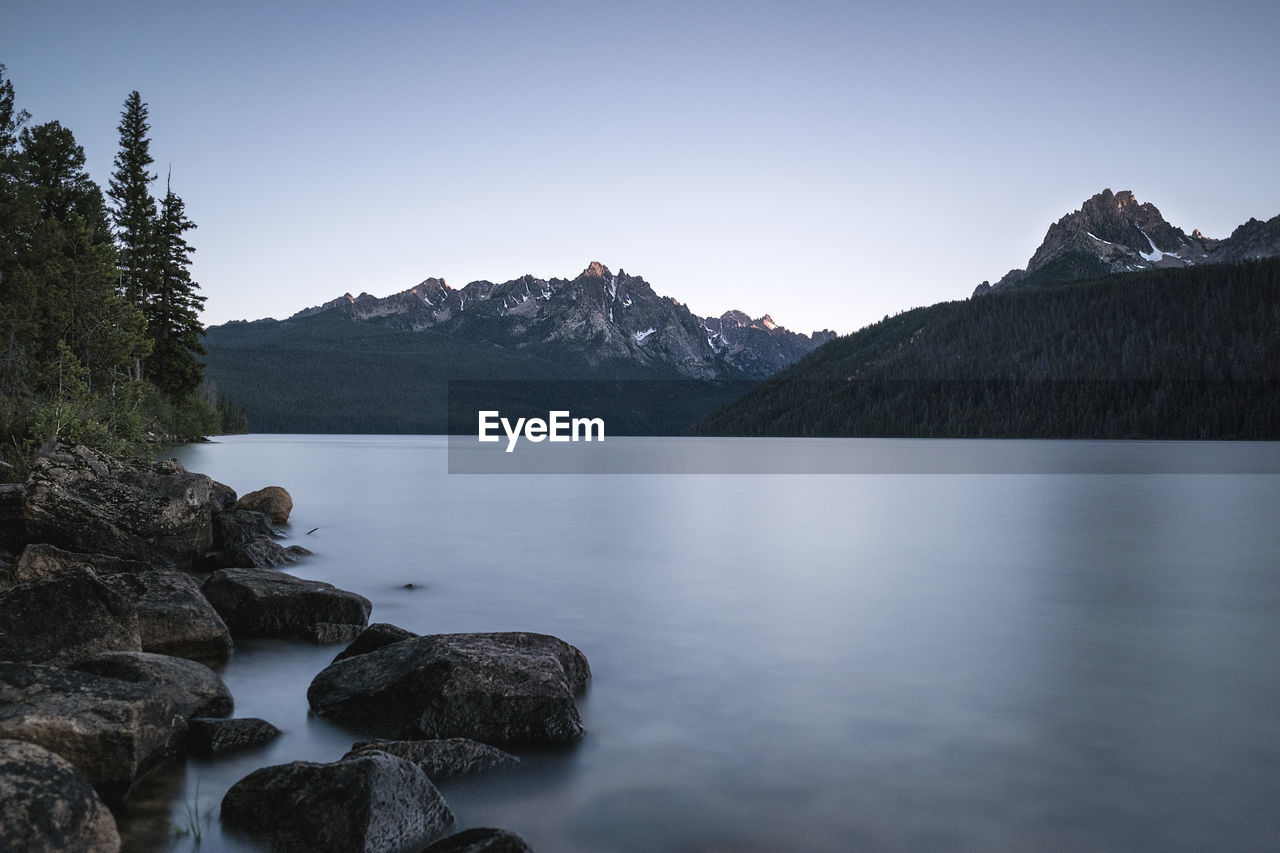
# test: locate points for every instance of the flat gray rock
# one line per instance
(263, 603)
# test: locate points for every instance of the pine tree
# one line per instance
(173, 313)
(133, 208)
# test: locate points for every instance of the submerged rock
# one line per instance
(211, 735)
(371, 802)
(85, 501)
(65, 617)
(442, 758)
(496, 688)
(259, 603)
(481, 840)
(174, 617)
(273, 501)
(48, 805)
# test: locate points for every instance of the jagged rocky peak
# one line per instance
(1114, 232)
(595, 269)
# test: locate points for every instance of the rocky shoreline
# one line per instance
(121, 582)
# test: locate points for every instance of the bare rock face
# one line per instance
(375, 637)
(495, 688)
(274, 502)
(188, 688)
(111, 730)
(85, 501)
(262, 603)
(442, 758)
(41, 560)
(260, 552)
(481, 840)
(174, 617)
(64, 617)
(48, 805)
(371, 802)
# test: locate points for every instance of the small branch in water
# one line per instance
(312, 530)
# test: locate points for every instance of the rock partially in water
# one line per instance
(372, 802)
(210, 735)
(496, 688)
(188, 688)
(237, 526)
(259, 603)
(328, 633)
(174, 617)
(85, 501)
(65, 617)
(273, 501)
(261, 552)
(481, 840)
(48, 805)
(375, 637)
(111, 730)
(442, 758)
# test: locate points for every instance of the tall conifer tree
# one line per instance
(173, 315)
(133, 208)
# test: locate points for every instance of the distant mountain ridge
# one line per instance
(1114, 232)
(599, 320)
(365, 364)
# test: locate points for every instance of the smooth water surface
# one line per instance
(809, 663)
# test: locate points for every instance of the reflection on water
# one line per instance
(910, 662)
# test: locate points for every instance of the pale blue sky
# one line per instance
(827, 163)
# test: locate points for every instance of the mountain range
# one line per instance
(369, 364)
(1114, 233)
(1121, 326)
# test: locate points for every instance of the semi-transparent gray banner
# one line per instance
(933, 427)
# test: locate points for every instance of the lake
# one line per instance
(808, 662)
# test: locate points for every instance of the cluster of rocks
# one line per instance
(120, 582)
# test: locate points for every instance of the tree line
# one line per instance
(1182, 353)
(100, 336)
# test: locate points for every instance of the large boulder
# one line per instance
(65, 617)
(188, 688)
(111, 730)
(174, 617)
(13, 530)
(443, 757)
(273, 501)
(48, 805)
(259, 603)
(481, 840)
(86, 501)
(376, 636)
(368, 803)
(496, 688)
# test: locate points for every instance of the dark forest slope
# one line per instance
(1167, 353)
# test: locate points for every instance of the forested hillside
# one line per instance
(1166, 353)
(99, 326)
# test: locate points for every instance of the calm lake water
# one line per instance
(982, 662)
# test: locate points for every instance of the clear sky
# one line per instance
(827, 163)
